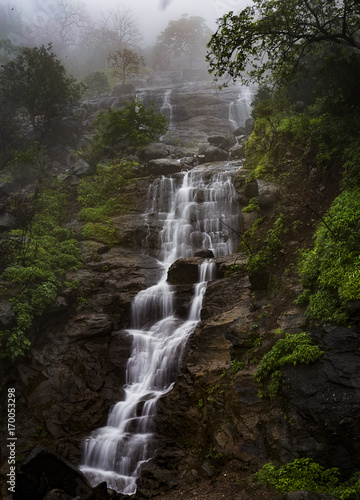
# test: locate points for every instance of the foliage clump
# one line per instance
(294, 349)
(304, 474)
(132, 126)
(41, 252)
(330, 271)
(97, 83)
(35, 83)
(101, 196)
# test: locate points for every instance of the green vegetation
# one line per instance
(97, 83)
(274, 39)
(270, 247)
(304, 474)
(35, 84)
(236, 366)
(102, 196)
(125, 63)
(252, 206)
(330, 270)
(292, 350)
(133, 125)
(40, 253)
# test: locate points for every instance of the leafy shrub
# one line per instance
(134, 125)
(304, 474)
(301, 474)
(41, 253)
(273, 243)
(102, 196)
(252, 206)
(291, 350)
(330, 270)
(97, 83)
(236, 365)
(104, 232)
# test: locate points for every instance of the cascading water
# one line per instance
(239, 109)
(191, 208)
(167, 108)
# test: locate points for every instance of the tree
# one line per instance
(7, 50)
(122, 27)
(133, 126)
(97, 83)
(272, 37)
(161, 57)
(113, 32)
(61, 24)
(186, 36)
(125, 63)
(35, 83)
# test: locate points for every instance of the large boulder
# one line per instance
(269, 194)
(223, 142)
(160, 166)
(43, 471)
(7, 221)
(81, 168)
(237, 152)
(154, 151)
(185, 271)
(121, 90)
(212, 153)
(7, 315)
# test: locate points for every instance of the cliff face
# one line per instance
(75, 370)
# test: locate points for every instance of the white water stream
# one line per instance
(239, 109)
(191, 208)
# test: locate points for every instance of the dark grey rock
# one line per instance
(223, 142)
(121, 90)
(43, 470)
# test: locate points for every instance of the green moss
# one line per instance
(292, 350)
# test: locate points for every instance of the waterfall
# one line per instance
(239, 109)
(191, 208)
(167, 109)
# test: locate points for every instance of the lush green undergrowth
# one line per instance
(41, 252)
(288, 147)
(103, 196)
(304, 474)
(292, 350)
(330, 270)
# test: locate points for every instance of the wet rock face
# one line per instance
(215, 412)
(75, 370)
(324, 401)
(185, 271)
(44, 471)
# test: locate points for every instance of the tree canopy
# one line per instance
(186, 36)
(97, 83)
(35, 83)
(125, 63)
(272, 37)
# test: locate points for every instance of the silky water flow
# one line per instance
(197, 210)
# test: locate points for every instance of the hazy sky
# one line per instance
(152, 15)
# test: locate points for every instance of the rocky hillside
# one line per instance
(214, 422)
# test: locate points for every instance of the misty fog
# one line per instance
(86, 36)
